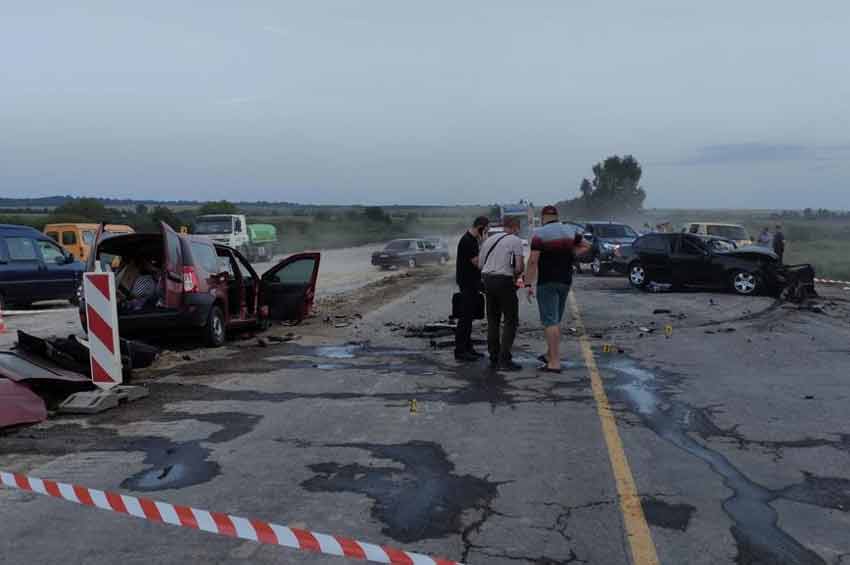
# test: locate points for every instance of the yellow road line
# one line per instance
(637, 530)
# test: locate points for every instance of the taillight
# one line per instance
(190, 280)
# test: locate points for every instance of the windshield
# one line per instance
(213, 227)
(729, 232)
(397, 245)
(614, 231)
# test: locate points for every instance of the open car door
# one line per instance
(289, 288)
(172, 266)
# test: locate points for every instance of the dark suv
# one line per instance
(204, 286)
(610, 247)
(34, 268)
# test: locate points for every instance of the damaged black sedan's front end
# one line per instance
(687, 261)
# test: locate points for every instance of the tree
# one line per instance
(615, 189)
(376, 214)
(616, 185)
(585, 189)
(220, 207)
(322, 216)
(82, 210)
(141, 210)
(165, 214)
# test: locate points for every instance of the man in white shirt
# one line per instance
(502, 262)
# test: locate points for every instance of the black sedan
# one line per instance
(410, 253)
(688, 261)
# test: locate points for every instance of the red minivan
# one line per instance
(201, 285)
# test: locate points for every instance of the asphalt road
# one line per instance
(726, 442)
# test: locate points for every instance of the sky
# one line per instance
(726, 104)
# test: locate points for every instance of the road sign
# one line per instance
(102, 324)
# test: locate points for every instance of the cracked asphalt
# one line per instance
(734, 428)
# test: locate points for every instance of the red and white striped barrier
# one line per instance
(832, 281)
(102, 323)
(218, 523)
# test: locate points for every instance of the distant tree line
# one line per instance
(812, 214)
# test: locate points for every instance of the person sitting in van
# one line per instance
(142, 289)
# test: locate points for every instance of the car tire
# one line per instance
(598, 268)
(411, 263)
(637, 275)
(745, 283)
(214, 331)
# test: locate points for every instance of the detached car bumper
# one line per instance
(795, 282)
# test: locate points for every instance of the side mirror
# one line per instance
(70, 258)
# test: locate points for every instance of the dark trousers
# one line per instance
(502, 302)
(463, 333)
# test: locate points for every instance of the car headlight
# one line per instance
(610, 246)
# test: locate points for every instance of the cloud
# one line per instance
(732, 153)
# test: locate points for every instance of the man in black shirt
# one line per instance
(468, 276)
(779, 243)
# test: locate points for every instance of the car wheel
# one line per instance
(637, 275)
(411, 263)
(745, 283)
(215, 331)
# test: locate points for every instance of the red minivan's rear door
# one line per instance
(172, 266)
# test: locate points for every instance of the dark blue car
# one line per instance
(34, 268)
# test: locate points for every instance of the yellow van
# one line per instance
(78, 238)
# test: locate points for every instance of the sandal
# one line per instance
(547, 369)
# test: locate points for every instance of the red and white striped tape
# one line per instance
(102, 320)
(218, 523)
(832, 281)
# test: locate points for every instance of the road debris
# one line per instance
(72, 353)
(97, 401)
(435, 330)
(662, 311)
(282, 339)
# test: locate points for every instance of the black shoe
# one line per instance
(465, 356)
(509, 366)
(476, 353)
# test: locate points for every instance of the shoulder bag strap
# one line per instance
(486, 257)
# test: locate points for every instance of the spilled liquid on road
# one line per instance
(756, 529)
